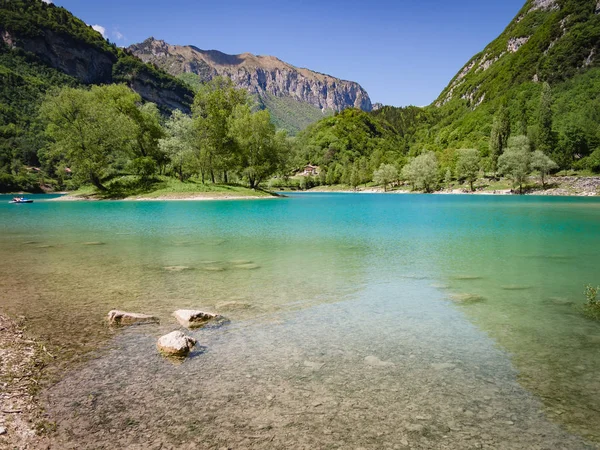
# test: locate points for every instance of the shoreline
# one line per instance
(507, 192)
(568, 186)
(22, 359)
(162, 198)
(564, 186)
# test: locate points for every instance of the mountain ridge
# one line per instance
(261, 75)
(548, 40)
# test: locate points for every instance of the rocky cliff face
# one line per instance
(80, 60)
(94, 65)
(260, 75)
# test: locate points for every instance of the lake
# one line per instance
(356, 321)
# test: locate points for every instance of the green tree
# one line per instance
(448, 178)
(260, 146)
(149, 132)
(545, 136)
(542, 163)
(514, 163)
(214, 105)
(90, 129)
(386, 174)
(499, 136)
(467, 166)
(521, 143)
(178, 143)
(422, 172)
(355, 176)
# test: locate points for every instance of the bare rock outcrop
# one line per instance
(88, 64)
(93, 64)
(259, 75)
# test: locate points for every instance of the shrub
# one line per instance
(592, 306)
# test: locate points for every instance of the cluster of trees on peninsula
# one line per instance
(98, 133)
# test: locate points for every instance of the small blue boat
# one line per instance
(21, 200)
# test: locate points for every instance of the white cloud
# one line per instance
(47, 1)
(100, 29)
(118, 35)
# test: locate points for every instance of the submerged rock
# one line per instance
(467, 298)
(213, 269)
(94, 243)
(247, 266)
(122, 318)
(443, 366)
(316, 366)
(561, 301)
(467, 277)
(175, 344)
(374, 361)
(515, 287)
(233, 306)
(176, 268)
(190, 318)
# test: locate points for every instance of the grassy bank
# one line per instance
(165, 188)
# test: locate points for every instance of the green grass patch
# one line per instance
(165, 187)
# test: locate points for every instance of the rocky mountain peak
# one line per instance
(260, 75)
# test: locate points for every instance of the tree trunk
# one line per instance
(471, 183)
(225, 179)
(543, 181)
(212, 175)
(96, 182)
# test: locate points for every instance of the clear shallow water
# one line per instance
(342, 329)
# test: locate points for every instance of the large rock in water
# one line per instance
(190, 318)
(176, 344)
(123, 318)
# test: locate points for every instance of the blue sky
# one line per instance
(402, 52)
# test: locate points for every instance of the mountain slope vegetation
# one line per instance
(539, 81)
(549, 41)
(42, 47)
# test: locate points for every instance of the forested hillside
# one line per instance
(42, 47)
(538, 83)
(529, 103)
(550, 41)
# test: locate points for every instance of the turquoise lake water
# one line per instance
(356, 321)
